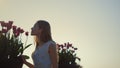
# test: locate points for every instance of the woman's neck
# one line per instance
(40, 43)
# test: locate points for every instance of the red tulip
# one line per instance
(4, 30)
(67, 47)
(70, 45)
(58, 45)
(58, 48)
(14, 27)
(14, 31)
(9, 25)
(3, 24)
(17, 34)
(18, 29)
(65, 44)
(11, 22)
(21, 30)
(61, 46)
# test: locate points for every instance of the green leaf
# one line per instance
(78, 58)
(27, 46)
(26, 57)
(21, 50)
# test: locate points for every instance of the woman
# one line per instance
(45, 54)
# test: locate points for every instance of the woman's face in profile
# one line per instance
(35, 30)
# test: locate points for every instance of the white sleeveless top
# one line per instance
(41, 56)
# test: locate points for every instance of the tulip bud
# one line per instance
(75, 48)
(26, 33)
(21, 31)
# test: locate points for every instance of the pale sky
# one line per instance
(91, 25)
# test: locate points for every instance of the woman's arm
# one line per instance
(27, 63)
(53, 55)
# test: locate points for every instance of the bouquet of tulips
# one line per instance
(67, 56)
(11, 45)
(67, 53)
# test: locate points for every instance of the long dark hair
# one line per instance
(46, 31)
